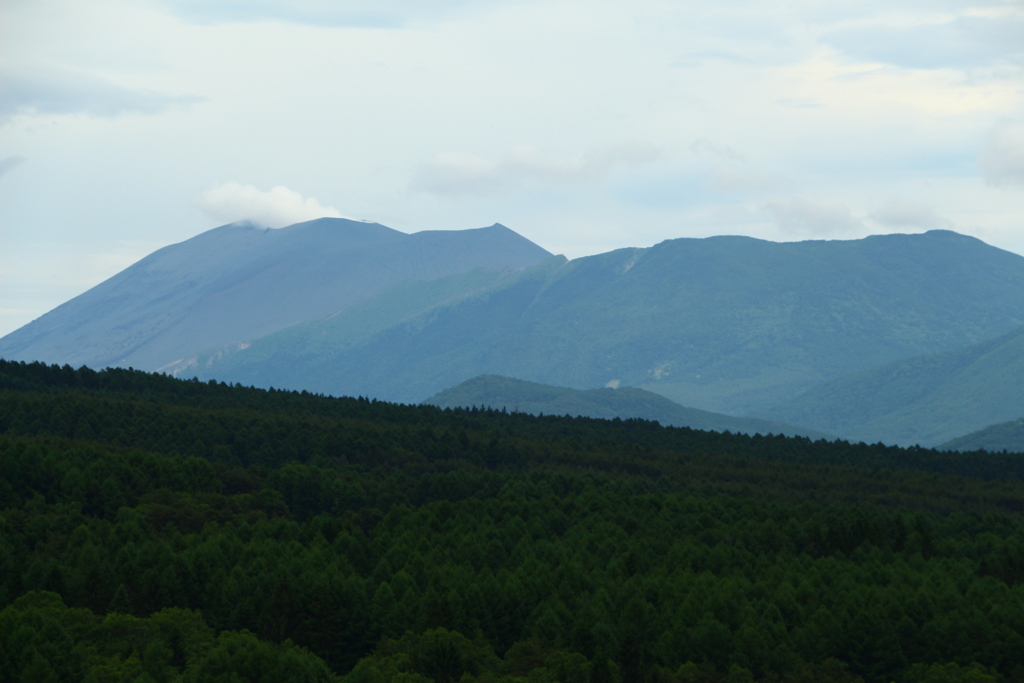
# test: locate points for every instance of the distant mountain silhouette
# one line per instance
(727, 324)
(239, 282)
(492, 391)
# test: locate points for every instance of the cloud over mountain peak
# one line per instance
(276, 208)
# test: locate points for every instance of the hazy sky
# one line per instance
(126, 125)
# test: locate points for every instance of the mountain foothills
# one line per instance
(1002, 437)
(900, 338)
(238, 282)
(156, 529)
(507, 394)
(927, 399)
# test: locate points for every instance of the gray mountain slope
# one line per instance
(1005, 436)
(239, 282)
(926, 400)
(726, 324)
(496, 392)
(292, 358)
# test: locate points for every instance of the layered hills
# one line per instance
(239, 282)
(1004, 436)
(726, 324)
(513, 395)
(925, 400)
(893, 337)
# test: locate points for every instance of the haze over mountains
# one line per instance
(732, 325)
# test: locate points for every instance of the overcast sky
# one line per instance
(584, 125)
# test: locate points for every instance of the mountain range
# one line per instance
(240, 282)
(896, 338)
(728, 324)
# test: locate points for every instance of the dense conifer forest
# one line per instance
(155, 529)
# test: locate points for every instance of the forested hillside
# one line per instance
(506, 393)
(157, 529)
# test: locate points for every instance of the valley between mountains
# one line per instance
(903, 339)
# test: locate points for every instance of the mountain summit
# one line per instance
(239, 282)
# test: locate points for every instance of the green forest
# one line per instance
(154, 529)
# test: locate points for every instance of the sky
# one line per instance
(585, 126)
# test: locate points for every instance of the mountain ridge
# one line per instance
(728, 324)
(725, 324)
(238, 282)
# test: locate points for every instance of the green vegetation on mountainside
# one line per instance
(290, 358)
(925, 400)
(726, 324)
(156, 529)
(505, 393)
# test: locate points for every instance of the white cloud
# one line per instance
(1002, 159)
(65, 91)
(10, 162)
(277, 208)
(805, 216)
(469, 174)
(896, 212)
